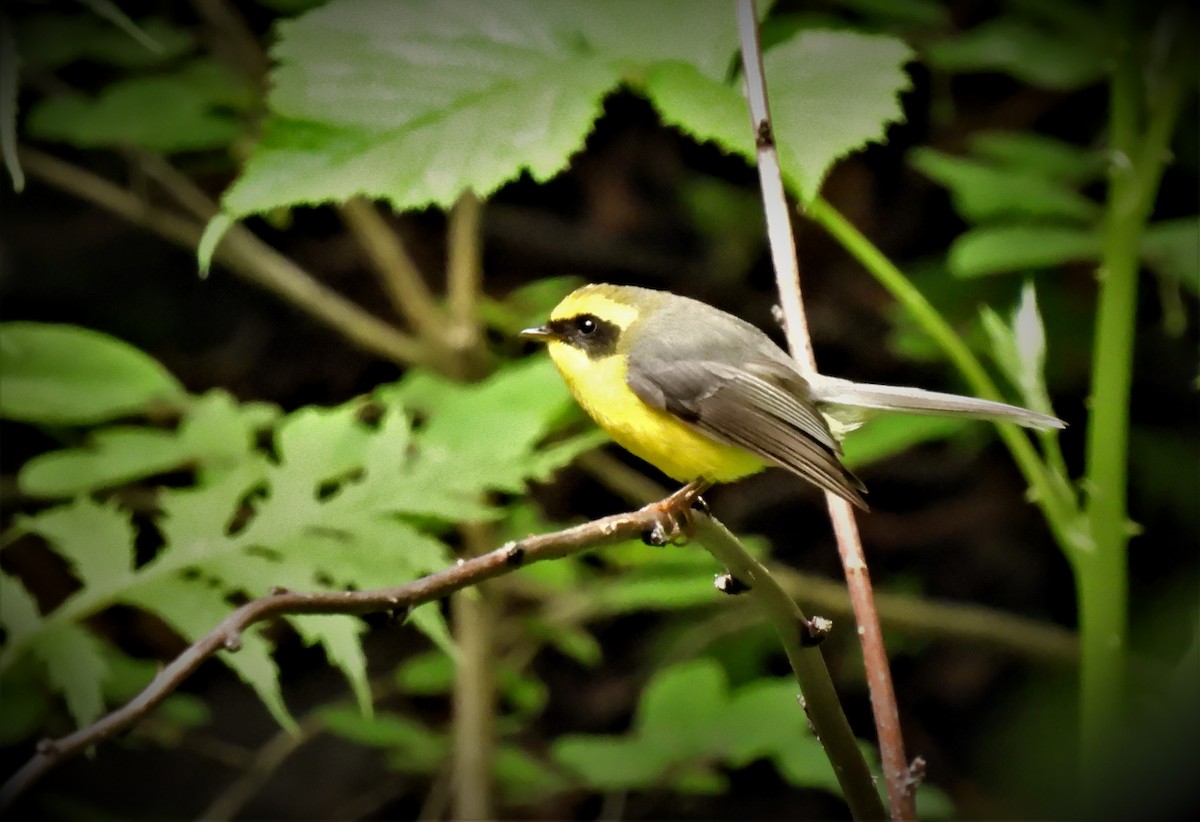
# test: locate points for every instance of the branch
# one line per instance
(227, 634)
(244, 254)
(787, 274)
(394, 267)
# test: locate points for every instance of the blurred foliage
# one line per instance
(144, 496)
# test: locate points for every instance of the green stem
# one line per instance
(820, 698)
(1101, 574)
(1054, 498)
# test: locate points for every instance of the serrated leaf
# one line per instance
(982, 191)
(340, 636)
(76, 668)
(831, 93)
(66, 375)
(195, 608)
(19, 612)
(95, 538)
(112, 456)
(191, 109)
(428, 620)
(415, 102)
(1003, 249)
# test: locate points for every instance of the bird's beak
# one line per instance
(541, 333)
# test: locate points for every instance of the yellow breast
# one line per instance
(658, 437)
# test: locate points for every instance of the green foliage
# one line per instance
(195, 107)
(333, 504)
(1059, 45)
(65, 375)
(688, 722)
(359, 108)
(52, 40)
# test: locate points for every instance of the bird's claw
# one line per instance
(675, 520)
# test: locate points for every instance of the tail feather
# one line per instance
(834, 391)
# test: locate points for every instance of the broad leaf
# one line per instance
(65, 375)
(1000, 249)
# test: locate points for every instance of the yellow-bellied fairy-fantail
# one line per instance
(703, 395)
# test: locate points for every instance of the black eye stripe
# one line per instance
(594, 336)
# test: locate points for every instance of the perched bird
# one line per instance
(707, 397)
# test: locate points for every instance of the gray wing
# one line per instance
(761, 407)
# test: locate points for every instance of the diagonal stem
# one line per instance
(787, 274)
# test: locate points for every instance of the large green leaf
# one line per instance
(65, 375)
(415, 102)
(831, 92)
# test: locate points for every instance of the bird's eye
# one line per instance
(587, 326)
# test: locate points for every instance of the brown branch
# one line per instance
(395, 269)
(244, 254)
(787, 274)
(227, 634)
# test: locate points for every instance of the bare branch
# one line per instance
(227, 634)
(787, 276)
(243, 253)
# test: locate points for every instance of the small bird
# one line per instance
(708, 398)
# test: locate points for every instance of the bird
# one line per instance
(707, 397)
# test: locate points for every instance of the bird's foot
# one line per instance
(675, 517)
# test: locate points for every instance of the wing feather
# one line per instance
(753, 407)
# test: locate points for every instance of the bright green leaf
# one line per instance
(341, 637)
(426, 674)
(66, 375)
(680, 708)
(113, 456)
(610, 763)
(95, 538)
(19, 614)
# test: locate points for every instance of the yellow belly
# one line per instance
(656, 436)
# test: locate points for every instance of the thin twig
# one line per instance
(227, 634)
(244, 254)
(395, 268)
(787, 273)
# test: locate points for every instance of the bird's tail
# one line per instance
(838, 392)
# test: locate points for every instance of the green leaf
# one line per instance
(831, 93)
(610, 763)
(50, 41)
(96, 539)
(426, 674)
(983, 191)
(113, 456)
(76, 668)
(341, 637)
(523, 779)
(680, 706)
(415, 102)
(1054, 159)
(1048, 56)
(885, 436)
(1172, 249)
(1003, 249)
(191, 109)
(66, 375)
(19, 614)
(412, 746)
